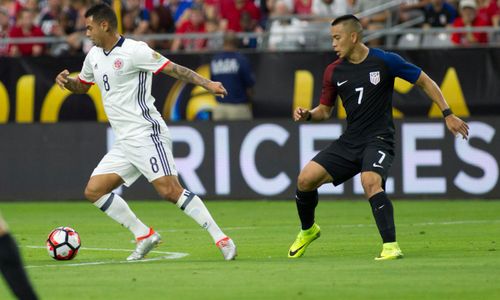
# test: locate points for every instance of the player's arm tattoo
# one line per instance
(76, 86)
(188, 75)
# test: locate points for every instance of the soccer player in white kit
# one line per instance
(123, 69)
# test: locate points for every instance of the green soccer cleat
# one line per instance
(304, 238)
(390, 251)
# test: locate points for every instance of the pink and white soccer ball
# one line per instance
(63, 243)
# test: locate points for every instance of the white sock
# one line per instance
(194, 207)
(115, 207)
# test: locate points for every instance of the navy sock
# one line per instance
(384, 216)
(12, 269)
(306, 204)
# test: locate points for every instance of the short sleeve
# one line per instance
(147, 59)
(401, 68)
(329, 90)
(86, 74)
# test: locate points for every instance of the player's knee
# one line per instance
(305, 183)
(92, 193)
(371, 183)
(170, 192)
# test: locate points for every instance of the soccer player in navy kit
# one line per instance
(364, 79)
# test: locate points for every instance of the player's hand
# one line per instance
(301, 114)
(217, 89)
(62, 78)
(457, 126)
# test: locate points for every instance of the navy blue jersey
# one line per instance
(234, 71)
(366, 92)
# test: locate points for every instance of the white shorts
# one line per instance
(152, 159)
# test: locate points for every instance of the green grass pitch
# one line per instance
(452, 251)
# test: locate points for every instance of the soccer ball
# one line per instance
(63, 243)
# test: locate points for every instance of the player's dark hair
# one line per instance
(102, 12)
(350, 20)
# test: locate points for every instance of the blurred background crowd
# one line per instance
(57, 27)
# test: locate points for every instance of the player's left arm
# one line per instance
(149, 60)
(454, 123)
(188, 75)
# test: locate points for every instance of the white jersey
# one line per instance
(124, 77)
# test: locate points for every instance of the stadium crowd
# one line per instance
(286, 22)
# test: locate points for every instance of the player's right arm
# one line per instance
(319, 113)
(326, 102)
(72, 84)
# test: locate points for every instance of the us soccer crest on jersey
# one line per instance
(375, 77)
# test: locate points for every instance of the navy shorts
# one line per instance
(343, 160)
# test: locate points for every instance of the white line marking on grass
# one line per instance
(168, 255)
(225, 228)
(461, 222)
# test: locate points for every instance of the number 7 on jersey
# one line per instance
(360, 97)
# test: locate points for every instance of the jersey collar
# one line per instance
(118, 44)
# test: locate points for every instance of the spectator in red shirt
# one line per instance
(232, 10)
(493, 12)
(482, 9)
(302, 7)
(25, 28)
(468, 18)
(195, 24)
